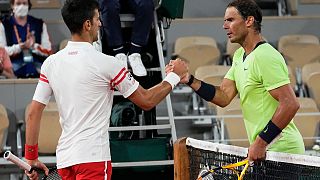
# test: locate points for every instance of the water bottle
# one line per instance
(27, 56)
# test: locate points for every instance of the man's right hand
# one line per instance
(179, 67)
(37, 164)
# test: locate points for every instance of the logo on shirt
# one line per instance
(73, 52)
(130, 76)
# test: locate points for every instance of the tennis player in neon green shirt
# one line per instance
(262, 71)
(260, 76)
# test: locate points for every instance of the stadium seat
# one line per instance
(298, 55)
(308, 124)
(308, 69)
(212, 74)
(235, 129)
(314, 86)
(50, 129)
(296, 39)
(230, 50)
(4, 125)
(197, 51)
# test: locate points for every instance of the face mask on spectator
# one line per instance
(21, 10)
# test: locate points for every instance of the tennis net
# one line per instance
(201, 156)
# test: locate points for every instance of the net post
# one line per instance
(181, 160)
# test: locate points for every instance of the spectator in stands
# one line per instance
(25, 38)
(260, 76)
(5, 64)
(83, 81)
(143, 10)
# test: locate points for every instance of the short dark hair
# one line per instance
(249, 8)
(76, 12)
(29, 2)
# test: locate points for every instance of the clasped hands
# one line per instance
(28, 44)
(179, 67)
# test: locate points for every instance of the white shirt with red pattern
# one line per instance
(83, 81)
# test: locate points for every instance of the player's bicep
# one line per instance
(138, 97)
(225, 92)
(283, 93)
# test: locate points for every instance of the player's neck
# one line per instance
(250, 42)
(81, 38)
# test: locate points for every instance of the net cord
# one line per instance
(241, 151)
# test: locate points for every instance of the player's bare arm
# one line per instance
(33, 122)
(32, 134)
(220, 95)
(288, 106)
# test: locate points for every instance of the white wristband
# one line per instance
(172, 78)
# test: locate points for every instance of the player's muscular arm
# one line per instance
(33, 122)
(149, 98)
(224, 93)
(288, 105)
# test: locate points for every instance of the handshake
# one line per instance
(180, 68)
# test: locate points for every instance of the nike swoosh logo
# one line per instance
(265, 131)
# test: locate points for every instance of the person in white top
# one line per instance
(83, 81)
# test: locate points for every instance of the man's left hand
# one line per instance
(257, 150)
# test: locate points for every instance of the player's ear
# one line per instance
(250, 21)
(87, 25)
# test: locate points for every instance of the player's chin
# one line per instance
(232, 39)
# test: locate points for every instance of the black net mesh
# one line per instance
(53, 175)
(200, 160)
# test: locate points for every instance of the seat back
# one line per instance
(307, 125)
(297, 39)
(231, 48)
(4, 125)
(50, 129)
(212, 74)
(200, 55)
(314, 86)
(308, 69)
(298, 55)
(235, 129)
(187, 41)
(197, 51)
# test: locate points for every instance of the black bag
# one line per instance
(123, 114)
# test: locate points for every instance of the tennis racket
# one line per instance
(208, 174)
(53, 172)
